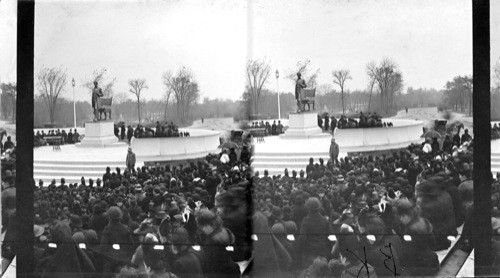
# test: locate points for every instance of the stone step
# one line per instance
(82, 162)
(74, 167)
(282, 166)
(272, 158)
(63, 173)
(291, 153)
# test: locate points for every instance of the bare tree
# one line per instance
(459, 93)
(257, 73)
(325, 88)
(389, 80)
(11, 90)
(51, 83)
(185, 90)
(136, 87)
(99, 76)
(304, 68)
(120, 98)
(339, 78)
(370, 69)
(167, 94)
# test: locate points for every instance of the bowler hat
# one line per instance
(76, 221)
(115, 213)
(313, 204)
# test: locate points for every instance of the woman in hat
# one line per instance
(187, 262)
(280, 233)
(66, 260)
(313, 239)
(214, 239)
(98, 220)
(419, 258)
(150, 260)
(115, 233)
(378, 242)
(437, 206)
(350, 251)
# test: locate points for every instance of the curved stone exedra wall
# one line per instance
(199, 144)
(403, 131)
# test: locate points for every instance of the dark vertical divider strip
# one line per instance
(24, 135)
(482, 144)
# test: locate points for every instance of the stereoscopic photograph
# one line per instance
(252, 138)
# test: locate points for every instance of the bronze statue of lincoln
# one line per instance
(299, 85)
(96, 94)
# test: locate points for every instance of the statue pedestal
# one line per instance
(302, 125)
(99, 134)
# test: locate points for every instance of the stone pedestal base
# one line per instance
(99, 134)
(302, 125)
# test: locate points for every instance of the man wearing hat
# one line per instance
(187, 262)
(130, 161)
(79, 234)
(115, 232)
(125, 213)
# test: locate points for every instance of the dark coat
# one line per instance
(419, 258)
(386, 255)
(334, 150)
(96, 94)
(299, 85)
(298, 213)
(438, 210)
(218, 262)
(188, 264)
(98, 222)
(115, 233)
(458, 206)
(265, 263)
(313, 238)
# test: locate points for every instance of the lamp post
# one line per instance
(278, 87)
(74, 106)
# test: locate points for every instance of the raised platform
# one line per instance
(302, 125)
(74, 161)
(277, 153)
(199, 144)
(99, 134)
(403, 131)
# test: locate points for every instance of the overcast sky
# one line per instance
(431, 41)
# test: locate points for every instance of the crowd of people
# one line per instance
(327, 123)
(166, 130)
(332, 217)
(40, 138)
(63, 137)
(270, 129)
(8, 200)
(164, 221)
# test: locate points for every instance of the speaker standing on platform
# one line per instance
(130, 162)
(334, 151)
